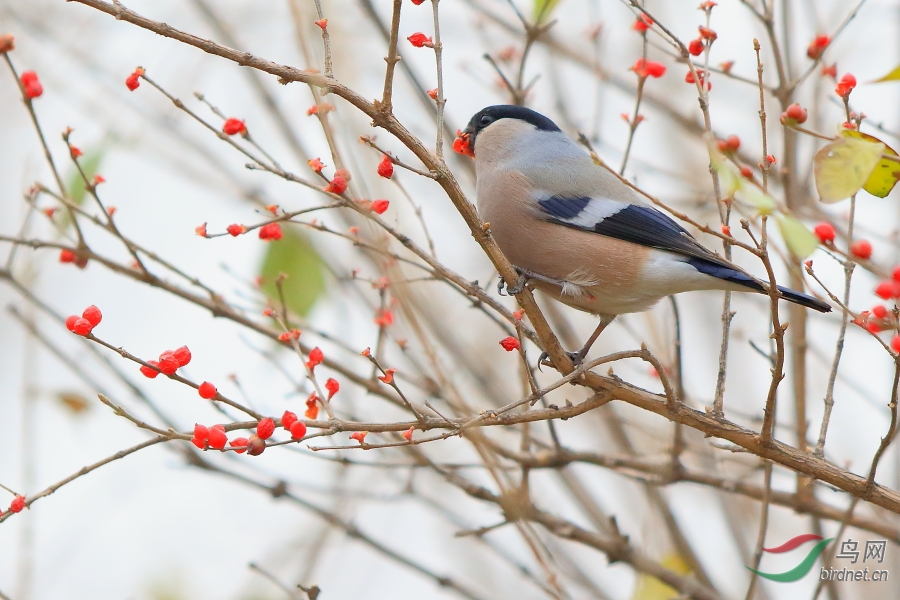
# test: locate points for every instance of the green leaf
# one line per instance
(542, 10)
(843, 166)
(730, 179)
(799, 240)
(90, 163)
(886, 174)
(752, 194)
(295, 257)
(892, 76)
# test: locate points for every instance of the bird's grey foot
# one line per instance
(576, 357)
(524, 276)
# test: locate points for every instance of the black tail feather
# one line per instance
(728, 274)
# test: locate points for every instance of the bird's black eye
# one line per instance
(486, 120)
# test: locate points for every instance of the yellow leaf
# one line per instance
(799, 240)
(886, 174)
(892, 76)
(651, 588)
(73, 402)
(843, 166)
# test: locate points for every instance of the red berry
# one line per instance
(794, 113)
(386, 167)
(182, 355)
(879, 312)
(265, 428)
(298, 430)
(17, 504)
(270, 231)
(648, 68)
(643, 23)
(817, 46)
(217, 437)
(70, 322)
(379, 206)
(408, 434)
(830, 71)
(207, 390)
(359, 436)
(896, 274)
(315, 358)
(696, 47)
(133, 80)
(233, 126)
(201, 432)
(30, 83)
(746, 172)
(7, 43)
(322, 23)
(255, 446)
(825, 232)
(332, 386)
(888, 289)
(168, 364)
(240, 442)
(66, 256)
(707, 34)
(388, 376)
(845, 85)
(461, 144)
(235, 229)
(417, 2)
(82, 326)
(93, 314)
(510, 343)
(895, 343)
(148, 372)
(288, 419)
(420, 39)
(861, 249)
(337, 185)
(873, 327)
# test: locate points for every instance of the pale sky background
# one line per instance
(148, 525)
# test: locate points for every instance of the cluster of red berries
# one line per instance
(689, 78)
(31, 84)
(729, 145)
(169, 362)
(877, 320)
(83, 325)
(889, 288)
(704, 41)
(270, 232)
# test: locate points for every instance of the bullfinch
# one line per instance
(579, 234)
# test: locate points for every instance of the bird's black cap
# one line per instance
(486, 116)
